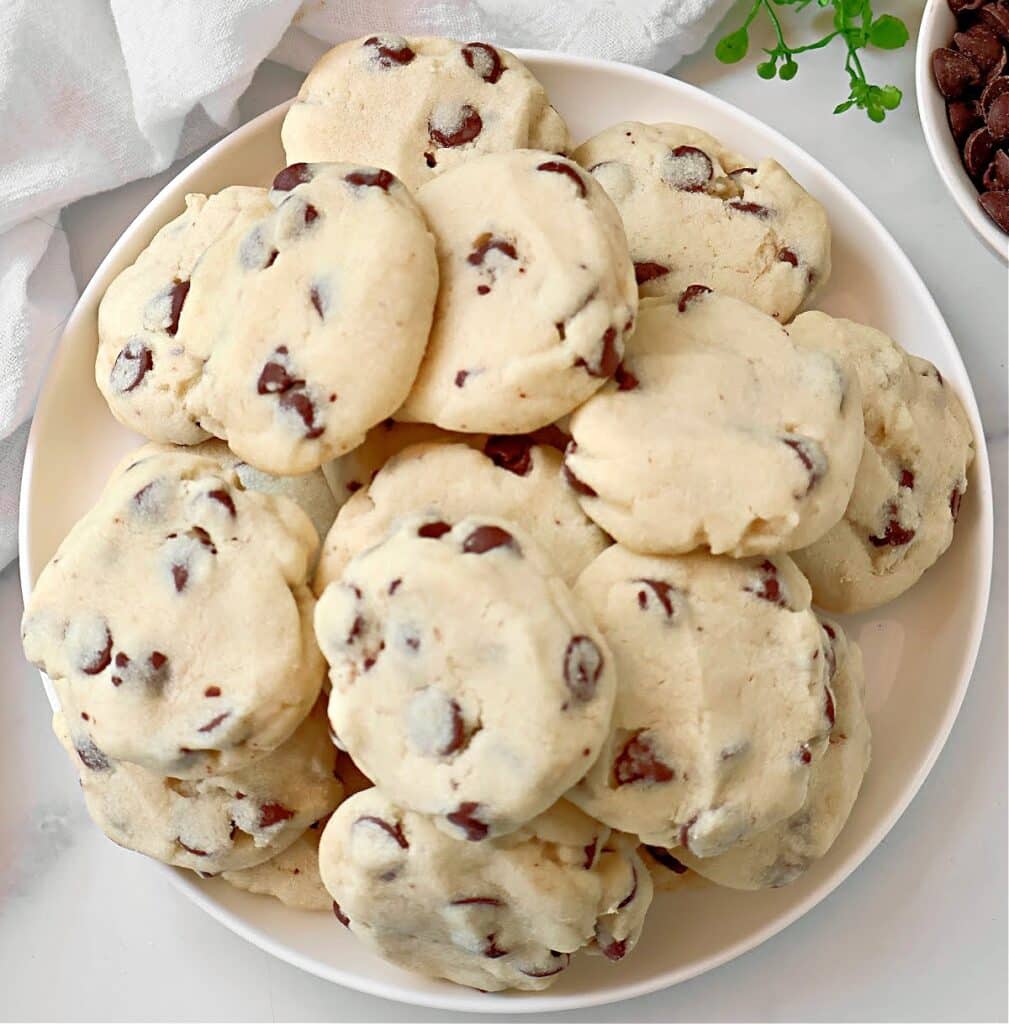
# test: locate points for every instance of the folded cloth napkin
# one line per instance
(96, 93)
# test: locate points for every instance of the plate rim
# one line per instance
(456, 998)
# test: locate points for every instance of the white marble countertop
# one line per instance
(90, 932)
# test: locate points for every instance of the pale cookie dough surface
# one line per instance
(228, 822)
(509, 478)
(313, 320)
(467, 680)
(696, 213)
(912, 477)
(783, 852)
(506, 913)
(143, 370)
(419, 106)
(720, 432)
(722, 707)
(175, 620)
(537, 293)
(292, 876)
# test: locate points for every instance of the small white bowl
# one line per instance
(937, 28)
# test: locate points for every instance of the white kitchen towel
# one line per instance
(95, 93)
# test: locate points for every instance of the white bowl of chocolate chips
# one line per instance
(962, 79)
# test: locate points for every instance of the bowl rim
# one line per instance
(458, 999)
(932, 34)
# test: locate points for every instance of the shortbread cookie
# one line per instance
(227, 822)
(696, 213)
(510, 478)
(142, 369)
(467, 681)
(537, 293)
(912, 477)
(783, 852)
(175, 620)
(419, 106)
(312, 321)
(292, 876)
(719, 432)
(723, 706)
(507, 913)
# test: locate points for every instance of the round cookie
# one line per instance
(142, 368)
(507, 913)
(537, 293)
(509, 478)
(227, 822)
(467, 681)
(783, 852)
(696, 213)
(419, 106)
(723, 706)
(175, 620)
(720, 431)
(292, 876)
(312, 322)
(912, 477)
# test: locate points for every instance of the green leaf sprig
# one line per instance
(854, 24)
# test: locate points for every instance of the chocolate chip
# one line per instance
(272, 814)
(767, 586)
(551, 436)
(365, 178)
(787, 256)
(191, 849)
(200, 535)
(561, 167)
(810, 455)
(158, 671)
(484, 60)
(390, 50)
(133, 363)
(395, 831)
(691, 294)
(583, 665)
(996, 205)
(639, 762)
(753, 209)
(997, 118)
(433, 530)
(464, 817)
(805, 755)
(978, 151)
(91, 756)
(180, 289)
(578, 486)
(255, 253)
(549, 971)
(480, 901)
(963, 116)
(460, 377)
(613, 949)
(510, 451)
(996, 17)
(688, 169)
(981, 45)
(955, 498)
(828, 706)
(214, 722)
(626, 381)
(894, 535)
(340, 915)
(456, 128)
(292, 176)
(457, 734)
(608, 359)
(274, 378)
(488, 538)
(590, 853)
(222, 497)
(99, 659)
(662, 856)
(996, 175)
(742, 170)
(395, 585)
(491, 948)
(629, 898)
(998, 86)
(298, 402)
(906, 479)
(212, 691)
(955, 74)
(645, 272)
(180, 576)
(661, 591)
(488, 242)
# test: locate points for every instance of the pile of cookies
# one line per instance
(581, 475)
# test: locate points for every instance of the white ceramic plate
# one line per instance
(919, 651)
(937, 28)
